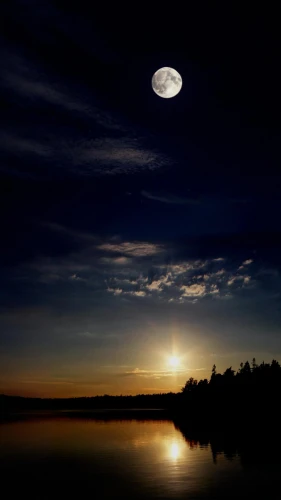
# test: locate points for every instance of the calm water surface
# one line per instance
(59, 457)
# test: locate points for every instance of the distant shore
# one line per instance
(91, 414)
(247, 399)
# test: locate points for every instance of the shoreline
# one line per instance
(93, 414)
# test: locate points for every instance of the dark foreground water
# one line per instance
(73, 457)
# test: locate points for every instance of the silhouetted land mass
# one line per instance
(247, 398)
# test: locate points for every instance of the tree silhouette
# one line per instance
(190, 384)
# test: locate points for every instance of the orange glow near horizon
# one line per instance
(159, 369)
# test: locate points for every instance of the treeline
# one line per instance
(141, 401)
(248, 395)
(264, 375)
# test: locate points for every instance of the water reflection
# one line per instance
(139, 459)
(168, 446)
(246, 445)
(174, 451)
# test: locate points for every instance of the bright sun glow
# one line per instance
(174, 451)
(174, 361)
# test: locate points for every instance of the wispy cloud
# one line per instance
(117, 152)
(75, 234)
(169, 198)
(61, 268)
(165, 197)
(23, 145)
(105, 155)
(220, 272)
(244, 264)
(22, 76)
(74, 277)
(133, 249)
(233, 279)
(119, 261)
(157, 374)
(186, 267)
(49, 278)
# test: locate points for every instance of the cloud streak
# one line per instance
(157, 374)
(132, 249)
(169, 198)
(115, 153)
(22, 145)
(117, 148)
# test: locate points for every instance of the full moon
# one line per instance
(166, 82)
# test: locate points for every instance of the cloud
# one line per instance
(133, 249)
(169, 198)
(184, 267)
(170, 287)
(119, 261)
(126, 269)
(74, 277)
(214, 289)
(119, 291)
(122, 151)
(158, 284)
(193, 290)
(105, 155)
(73, 233)
(137, 293)
(115, 291)
(24, 78)
(157, 374)
(30, 86)
(220, 272)
(206, 277)
(23, 145)
(49, 278)
(247, 262)
(233, 279)
(61, 267)
(87, 335)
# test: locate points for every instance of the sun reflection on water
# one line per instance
(174, 451)
(168, 447)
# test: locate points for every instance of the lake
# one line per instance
(55, 457)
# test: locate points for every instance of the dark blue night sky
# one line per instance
(133, 227)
